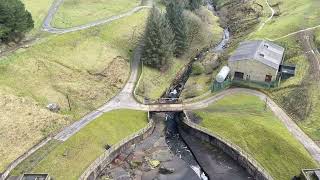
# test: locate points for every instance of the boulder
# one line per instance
(162, 155)
(53, 107)
(154, 163)
(166, 170)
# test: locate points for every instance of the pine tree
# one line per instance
(158, 41)
(15, 20)
(175, 17)
(195, 4)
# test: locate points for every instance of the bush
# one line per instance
(197, 69)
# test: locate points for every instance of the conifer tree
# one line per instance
(195, 4)
(15, 20)
(158, 41)
(175, 16)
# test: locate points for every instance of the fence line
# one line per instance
(109, 155)
(243, 153)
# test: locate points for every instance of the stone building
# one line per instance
(256, 61)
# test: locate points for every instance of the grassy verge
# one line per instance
(39, 10)
(79, 71)
(78, 12)
(154, 83)
(69, 159)
(243, 120)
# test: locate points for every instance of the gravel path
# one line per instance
(270, 18)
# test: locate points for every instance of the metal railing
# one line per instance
(109, 155)
(227, 142)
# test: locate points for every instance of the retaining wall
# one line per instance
(96, 168)
(234, 151)
(15, 163)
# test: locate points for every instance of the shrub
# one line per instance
(197, 68)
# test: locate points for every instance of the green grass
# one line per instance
(317, 38)
(28, 164)
(39, 10)
(297, 95)
(243, 119)
(70, 158)
(87, 67)
(79, 12)
(294, 15)
(154, 83)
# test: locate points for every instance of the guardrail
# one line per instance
(228, 143)
(109, 155)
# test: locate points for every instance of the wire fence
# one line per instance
(228, 143)
(109, 155)
(215, 87)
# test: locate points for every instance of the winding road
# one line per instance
(125, 99)
(46, 26)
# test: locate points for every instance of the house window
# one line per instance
(268, 78)
(238, 75)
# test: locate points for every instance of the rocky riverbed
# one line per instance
(150, 159)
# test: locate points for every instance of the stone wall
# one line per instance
(255, 69)
(235, 152)
(96, 168)
(15, 163)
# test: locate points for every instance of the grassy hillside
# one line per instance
(243, 119)
(39, 10)
(291, 15)
(297, 95)
(79, 12)
(79, 71)
(69, 159)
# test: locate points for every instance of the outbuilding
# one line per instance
(257, 60)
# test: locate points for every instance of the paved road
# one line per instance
(57, 3)
(124, 100)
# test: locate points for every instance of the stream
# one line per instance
(181, 155)
(225, 167)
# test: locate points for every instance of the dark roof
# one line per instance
(263, 51)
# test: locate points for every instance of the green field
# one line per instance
(293, 15)
(78, 12)
(69, 159)
(243, 119)
(79, 71)
(39, 10)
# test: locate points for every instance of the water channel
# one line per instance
(181, 155)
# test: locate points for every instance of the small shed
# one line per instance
(257, 60)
